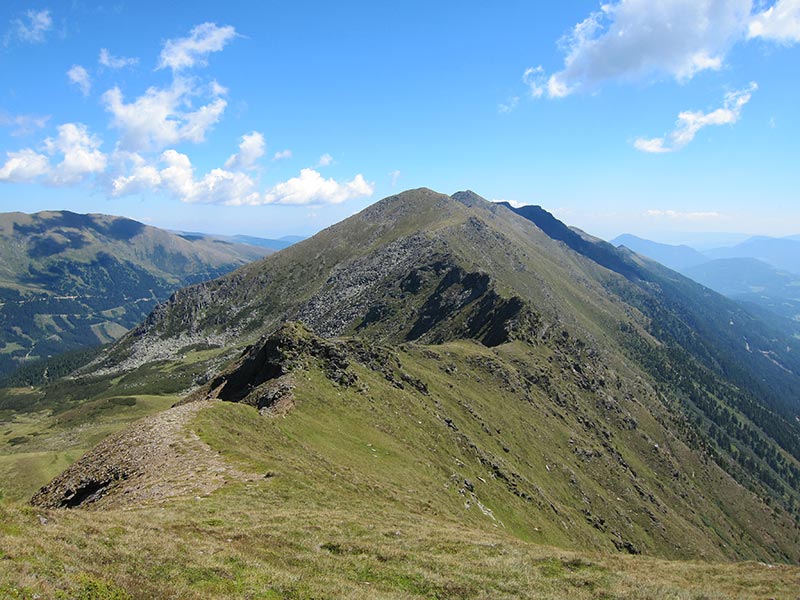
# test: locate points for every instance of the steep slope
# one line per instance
(561, 451)
(69, 281)
(536, 349)
(677, 258)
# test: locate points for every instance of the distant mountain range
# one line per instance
(272, 244)
(782, 253)
(70, 281)
(761, 271)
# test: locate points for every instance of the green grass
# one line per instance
(352, 496)
(35, 447)
(258, 540)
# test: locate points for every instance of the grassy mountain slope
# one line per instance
(469, 372)
(428, 268)
(390, 492)
(69, 281)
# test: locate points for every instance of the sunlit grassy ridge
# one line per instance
(485, 410)
(355, 494)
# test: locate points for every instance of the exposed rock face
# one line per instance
(262, 378)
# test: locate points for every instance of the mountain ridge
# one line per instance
(621, 362)
(69, 281)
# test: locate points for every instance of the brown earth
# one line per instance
(154, 459)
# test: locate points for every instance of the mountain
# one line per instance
(437, 397)
(781, 253)
(754, 281)
(677, 258)
(71, 281)
(774, 294)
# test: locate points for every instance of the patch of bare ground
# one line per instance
(156, 458)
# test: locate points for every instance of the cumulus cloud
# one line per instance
(32, 28)
(24, 166)
(325, 160)
(312, 188)
(635, 39)
(394, 175)
(115, 62)
(80, 151)
(141, 176)
(160, 116)
(251, 148)
(780, 22)
(282, 155)
(691, 122)
(218, 186)
(187, 52)
(174, 173)
(80, 77)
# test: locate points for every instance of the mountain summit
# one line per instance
(510, 370)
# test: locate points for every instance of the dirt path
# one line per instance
(154, 459)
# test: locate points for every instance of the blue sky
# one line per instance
(275, 118)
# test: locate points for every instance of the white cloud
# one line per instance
(162, 117)
(80, 77)
(679, 215)
(143, 176)
(325, 160)
(651, 145)
(780, 22)
(311, 188)
(173, 172)
(395, 175)
(23, 124)
(115, 62)
(24, 166)
(534, 78)
(187, 52)
(251, 148)
(690, 122)
(81, 154)
(634, 39)
(33, 27)
(282, 155)
(217, 187)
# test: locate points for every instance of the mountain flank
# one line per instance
(511, 370)
(71, 281)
